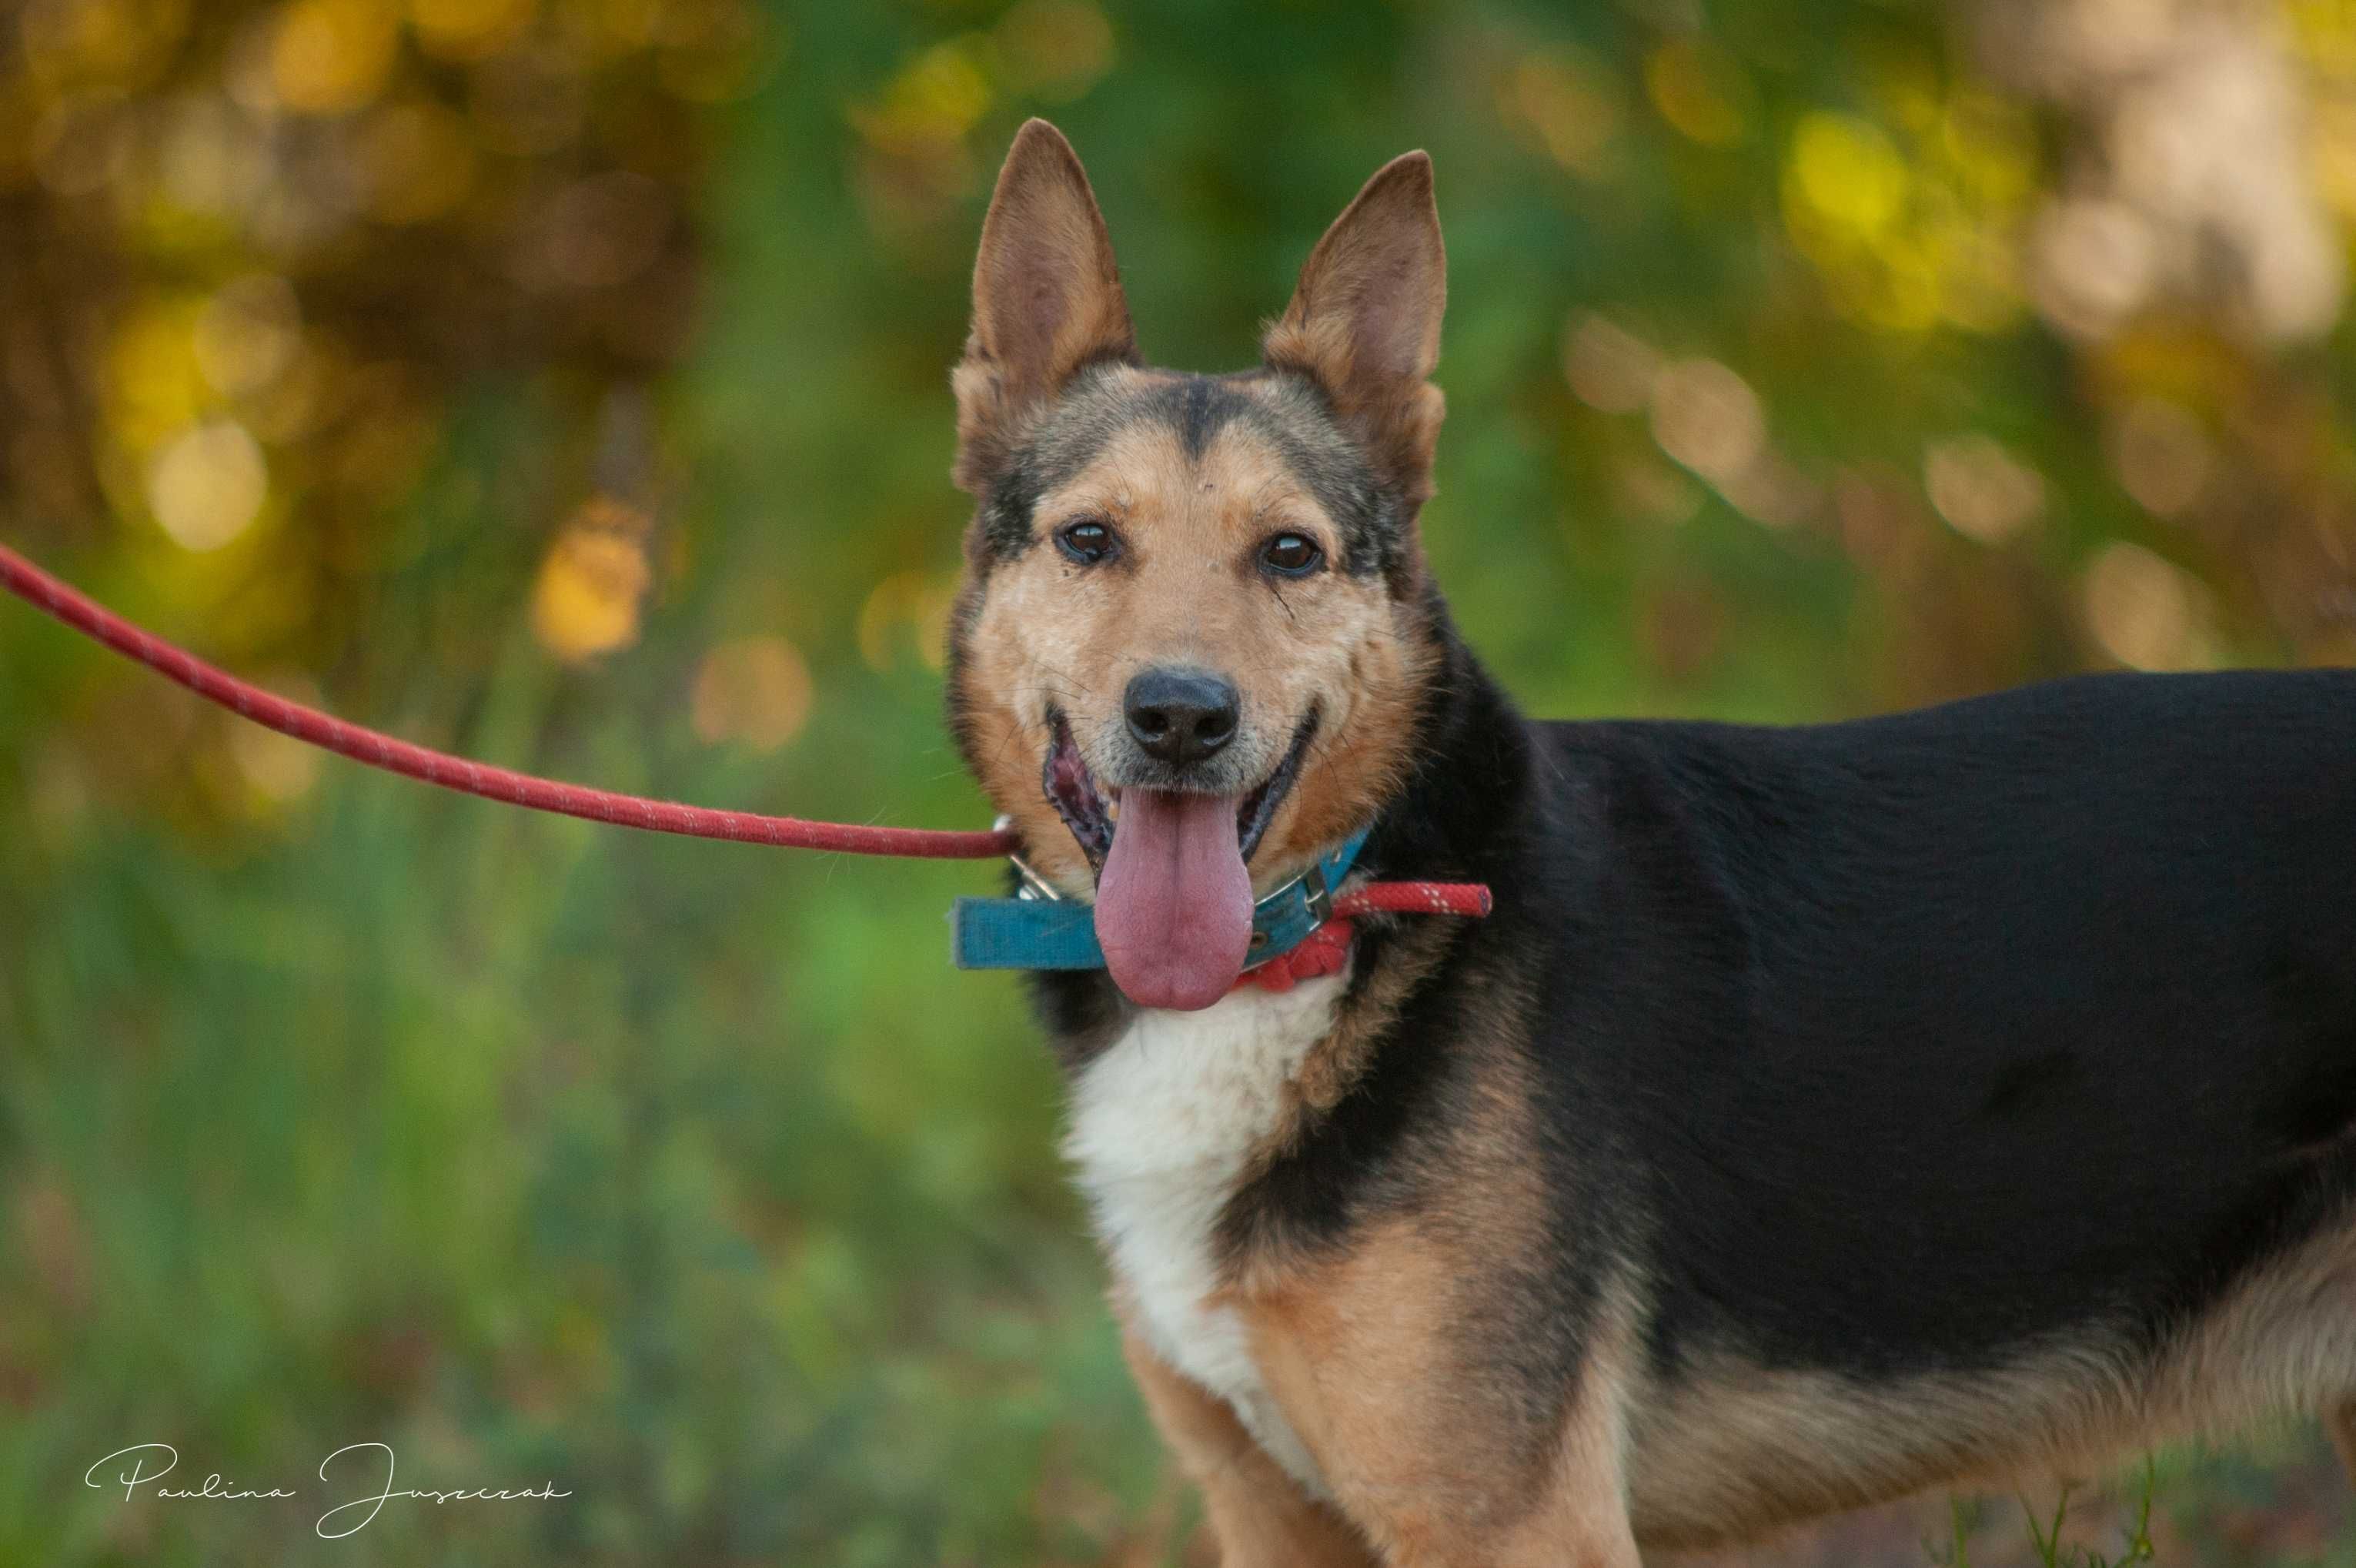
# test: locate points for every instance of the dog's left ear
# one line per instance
(1365, 321)
(1046, 297)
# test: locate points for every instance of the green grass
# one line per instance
(2047, 1537)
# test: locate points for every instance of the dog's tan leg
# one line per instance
(1571, 1512)
(1428, 1438)
(1261, 1518)
(2339, 1420)
(1579, 1521)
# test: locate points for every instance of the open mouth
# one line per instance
(1174, 905)
(1090, 810)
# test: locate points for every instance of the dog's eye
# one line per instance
(1291, 555)
(1087, 542)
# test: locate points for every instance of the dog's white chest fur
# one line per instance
(1161, 1124)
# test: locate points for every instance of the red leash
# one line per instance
(43, 592)
(37, 588)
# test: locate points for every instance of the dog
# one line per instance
(1821, 1115)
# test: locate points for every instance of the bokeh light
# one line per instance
(754, 690)
(207, 484)
(592, 585)
(2146, 613)
(1985, 492)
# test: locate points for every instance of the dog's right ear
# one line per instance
(1046, 298)
(1364, 322)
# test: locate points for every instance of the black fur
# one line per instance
(1893, 1045)
(1896, 1046)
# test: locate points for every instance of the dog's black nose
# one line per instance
(1181, 715)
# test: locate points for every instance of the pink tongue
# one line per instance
(1174, 902)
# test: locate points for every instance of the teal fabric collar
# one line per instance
(1042, 929)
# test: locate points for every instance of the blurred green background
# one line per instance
(565, 384)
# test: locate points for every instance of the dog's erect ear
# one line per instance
(1046, 297)
(1365, 320)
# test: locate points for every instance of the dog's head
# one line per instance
(1191, 638)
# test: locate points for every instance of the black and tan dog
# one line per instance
(1822, 1114)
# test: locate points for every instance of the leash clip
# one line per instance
(1035, 886)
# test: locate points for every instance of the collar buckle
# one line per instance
(1320, 896)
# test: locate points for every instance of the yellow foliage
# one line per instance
(586, 600)
(207, 485)
(935, 99)
(1700, 89)
(155, 382)
(417, 161)
(113, 43)
(1907, 244)
(1843, 173)
(328, 57)
(468, 29)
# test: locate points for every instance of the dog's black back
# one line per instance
(1905, 1042)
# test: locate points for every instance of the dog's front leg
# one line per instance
(1572, 1514)
(2340, 1422)
(1260, 1517)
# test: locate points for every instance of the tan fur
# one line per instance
(1374, 1356)
(1046, 296)
(1386, 1360)
(1187, 590)
(1261, 1519)
(1372, 1360)
(1737, 1452)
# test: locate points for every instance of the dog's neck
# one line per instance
(1453, 820)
